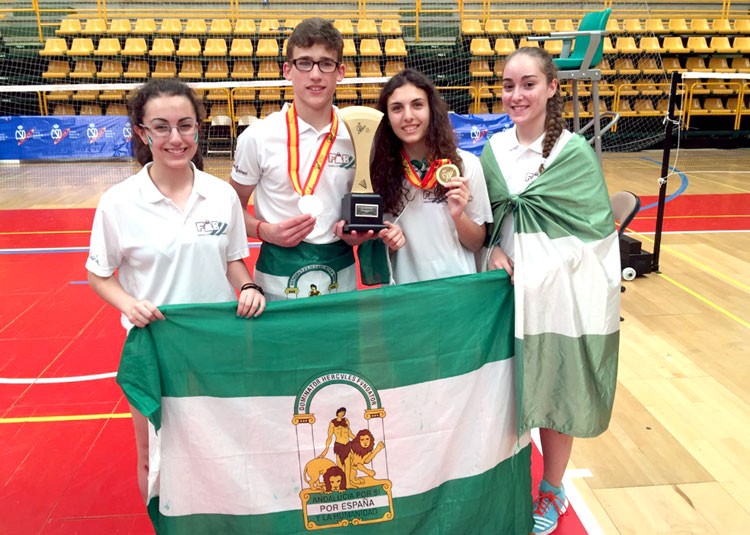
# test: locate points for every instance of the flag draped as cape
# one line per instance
(567, 291)
(249, 413)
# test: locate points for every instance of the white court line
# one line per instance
(579, 505)
(55, 380)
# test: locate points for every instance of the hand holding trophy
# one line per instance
(362, 210)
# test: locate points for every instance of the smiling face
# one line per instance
(409, 116)
(313, 90)
(174, 151)
(526, 91)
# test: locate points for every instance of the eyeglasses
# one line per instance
(325, 65)
(165, 129)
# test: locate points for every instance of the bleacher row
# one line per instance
(639, 56)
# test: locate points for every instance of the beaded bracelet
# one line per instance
(252, 286)
(257, 229)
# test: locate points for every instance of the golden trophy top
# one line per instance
(361, 122)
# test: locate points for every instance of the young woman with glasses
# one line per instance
(173, 233)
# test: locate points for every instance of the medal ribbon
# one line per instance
(429, 180)
(292, 131)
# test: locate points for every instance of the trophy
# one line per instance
(362, 210)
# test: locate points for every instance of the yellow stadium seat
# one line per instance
(56, 69)
(632, 26)
(350, 49)
(268, 69)
(717, 64)
(394, 66)
(69, 27)
(696, 64)
(367, 27)
(370, 69)
(108, 46)
(648, 87)
(524, 43)
(137, 68)
(244, 27)
(110, 69)
(671, 64)
(165, 68)
(241, 47)
(720, 45)
(742, 26)
(649, 65)
(655, 26)
(623, 108)
(608, 47)
(479, 87)
(144, 27)
(344, 26)
(714, 105)
(90, 109)
(63, 108)
(370, 47)
(350, 68)
(395, 47)
(471, 27)
(480, 68)
(54, 46)
(85, 94)
(191, 68)
(741, 64)
(650, 45)
(497, 69)
(220, 27)
(625, 66)
(390, 27)
(346, 92)
(564, 25)
(613, 27)
(162, 46)
(195, 27)
(242, 70)
(625, 87)
(504, 46)
(267, 109)
(699, 26)
(170, 27)
(116, 108)
(721, 26)
(554, 46)
(81, 46)
(269, 93)
(120, 27)
(135, 46)
(480, 46)
(267, 48)
(626, 45)
(678, 25)
(217, 69)
(189, 46)
(698, 45)
(370, 92)
(215, 46)
(673, 45)
(518, 27)
(84, 68)
(268, 27)
(645, 106)
(606, 69)
(495, 27)
(742, 45)
(94, 27)
(290, 25)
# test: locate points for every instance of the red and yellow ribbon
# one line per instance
(429, 180)
(321, 157)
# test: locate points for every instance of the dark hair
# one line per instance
(554, 123)
(315, 31)
(386, 168)
(152, 89)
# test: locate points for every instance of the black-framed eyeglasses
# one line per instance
(325, 65)
(187, 128)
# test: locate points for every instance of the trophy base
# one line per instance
(362, 212)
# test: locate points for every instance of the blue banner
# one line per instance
(473, 131)
(64, 136)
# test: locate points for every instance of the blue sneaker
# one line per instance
(548, 508)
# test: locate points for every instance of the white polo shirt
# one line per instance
(261, 160)
(432, 248)
(162, 253)
(520, 167)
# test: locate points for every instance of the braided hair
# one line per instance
(554, 123)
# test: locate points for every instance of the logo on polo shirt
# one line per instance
(211, 228)
(341, 159)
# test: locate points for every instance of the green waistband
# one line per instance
(285, 261)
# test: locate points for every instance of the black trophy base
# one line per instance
(362, 212)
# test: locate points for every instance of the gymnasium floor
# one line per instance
(675, 459)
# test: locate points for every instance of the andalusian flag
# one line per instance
(388, 410)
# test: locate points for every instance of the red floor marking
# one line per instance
(697, 213)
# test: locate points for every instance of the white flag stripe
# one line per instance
(252, 443)
(579, 271)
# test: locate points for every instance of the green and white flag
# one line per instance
(389, 410)
(567, 291)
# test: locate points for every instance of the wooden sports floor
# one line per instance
(676, 458)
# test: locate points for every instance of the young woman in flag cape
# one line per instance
(554, 233)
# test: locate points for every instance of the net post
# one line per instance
(669, 126)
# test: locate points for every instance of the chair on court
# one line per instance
(625, 206)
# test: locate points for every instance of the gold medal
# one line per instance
(446, 173)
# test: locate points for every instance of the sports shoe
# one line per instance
(548, 508)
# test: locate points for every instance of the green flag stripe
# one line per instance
(497, 501)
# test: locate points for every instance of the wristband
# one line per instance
(257, 229)
(252, 286)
